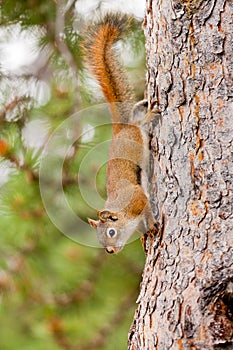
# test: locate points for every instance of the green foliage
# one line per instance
(29, 12)
(55, 293)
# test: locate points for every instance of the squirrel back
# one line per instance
(127, 206)
(105, 67)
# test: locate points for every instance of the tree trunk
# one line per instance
(186, 297)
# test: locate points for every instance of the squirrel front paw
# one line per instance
(152, 233)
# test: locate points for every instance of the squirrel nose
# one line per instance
(110, 250)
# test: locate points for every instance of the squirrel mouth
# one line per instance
(113, 250)
(110, 250)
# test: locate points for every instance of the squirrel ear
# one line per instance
(93, 223)
(105, 215)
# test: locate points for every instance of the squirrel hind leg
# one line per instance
(139, 111)
(142, 114)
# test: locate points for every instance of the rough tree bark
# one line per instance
(186, 297)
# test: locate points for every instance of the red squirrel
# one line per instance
(127, 205)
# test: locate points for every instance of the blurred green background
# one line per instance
(55, 293)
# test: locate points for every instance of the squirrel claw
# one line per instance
(151, 233)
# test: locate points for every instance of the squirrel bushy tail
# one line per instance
(104, 65)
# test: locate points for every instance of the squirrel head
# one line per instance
(112, 231)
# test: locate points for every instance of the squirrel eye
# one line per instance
(111, 232)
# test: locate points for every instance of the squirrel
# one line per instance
(127, 205)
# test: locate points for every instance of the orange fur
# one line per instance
(103, 64)
(127, 205)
